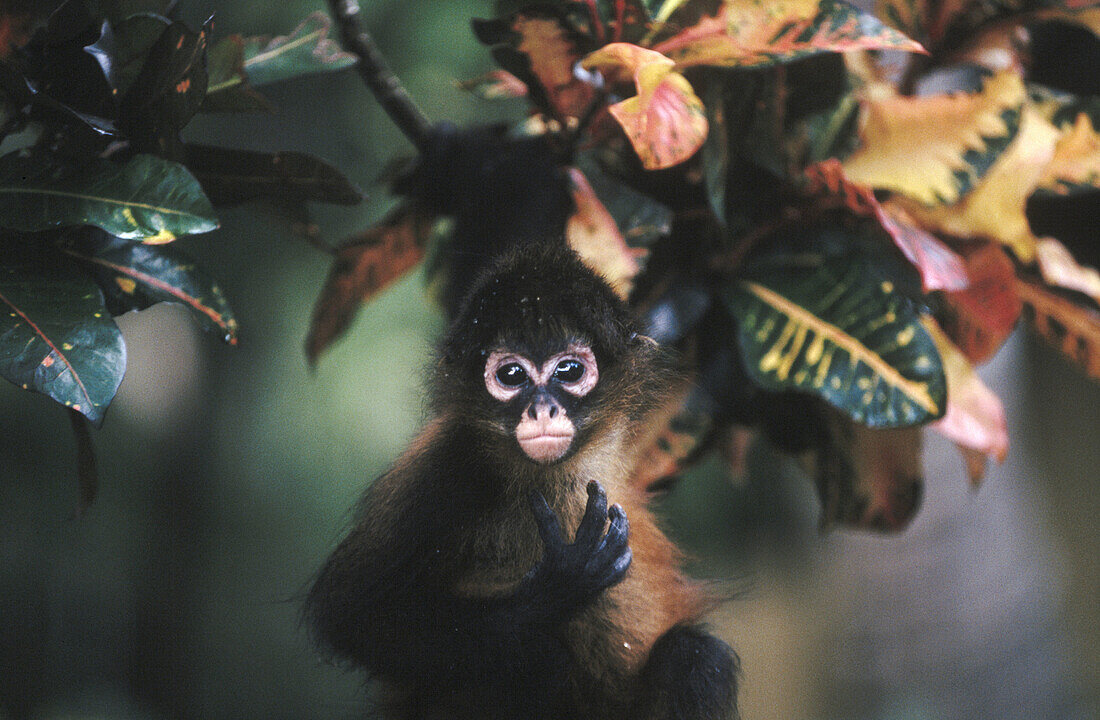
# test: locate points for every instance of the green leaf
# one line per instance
(306, 50)
(134, 276)
(56, 335)
(233, 176)
(134, 38)
(168, 91)
(147, 198)
(827, 326)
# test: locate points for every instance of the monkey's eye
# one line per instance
(511, 375)
(569, 371)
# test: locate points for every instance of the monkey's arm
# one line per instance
(394, 614)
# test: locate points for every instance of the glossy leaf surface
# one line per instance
(826, 326)
(148, 198)
(134, 276)
(56, 335)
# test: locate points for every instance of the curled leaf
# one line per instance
(307, 49)
(665, 122)
(495, 85)
(1058, 268)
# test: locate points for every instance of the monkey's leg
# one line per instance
(690, 675)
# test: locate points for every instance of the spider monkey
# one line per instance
(458, 587)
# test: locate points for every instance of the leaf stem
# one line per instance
(378, 76)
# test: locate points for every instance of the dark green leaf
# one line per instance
(120, 10)
(56, 335)
(229, 89)
(147, 198)
(167, 92)
(306, 50)
(827, 326)
(134, 38)
(233, 176)
(641, 219)
(134, 276)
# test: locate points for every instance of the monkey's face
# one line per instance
(542, 396)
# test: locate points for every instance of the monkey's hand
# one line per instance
(569, 576)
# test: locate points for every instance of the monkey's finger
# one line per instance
(618, 535)
(546, 520)
(618, 570)
(595, 516)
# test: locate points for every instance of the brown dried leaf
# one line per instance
(364, 266)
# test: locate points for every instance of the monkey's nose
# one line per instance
(542, 409)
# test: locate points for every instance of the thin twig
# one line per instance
(378, 76)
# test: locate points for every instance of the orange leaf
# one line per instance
(975, 418)
(665, 122)
(593, 233)
(980, 318)
(995, 209)
(1072, 329)
(935, 149)
(495, 85)
(364, 266)
(746, 33)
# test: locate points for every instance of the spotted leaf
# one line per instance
(1076, 163)
(665, 121)
(1070, 327)
(134, 276)
(750, 33)
(935, 149)
(56, 335)
(148, 198)
(826, 326)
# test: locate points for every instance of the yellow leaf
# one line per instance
(665, 122)
(995, 209)
(1076, 158)
(975, 418)
(933, 149)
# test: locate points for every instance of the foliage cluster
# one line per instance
(836, 214)
(95, 181)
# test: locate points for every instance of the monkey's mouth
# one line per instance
(546, 447)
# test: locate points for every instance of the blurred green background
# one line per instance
(228, 474)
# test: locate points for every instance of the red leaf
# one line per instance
(981, 317)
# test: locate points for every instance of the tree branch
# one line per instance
(378, 76)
